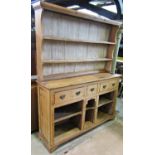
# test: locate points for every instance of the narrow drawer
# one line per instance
(113, 84)
(92, 90)
(108, 85)
(65, 96)
(104, 86)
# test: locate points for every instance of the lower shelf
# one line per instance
(66, 135)
(67, 111)
(104, 101)
(66, 129)
(102, 117)
(65, 132)
(66, 116)
(88, 125)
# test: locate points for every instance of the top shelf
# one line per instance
(67, 11)
(77, 40)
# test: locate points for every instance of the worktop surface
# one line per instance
(53, 84)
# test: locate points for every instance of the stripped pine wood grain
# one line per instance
(67, 37)
(62, 10)
(76, 91)
(74, 28)
(53, 51)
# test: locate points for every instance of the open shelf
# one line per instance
(67, 128)
(88, 125)
(77, 40)
(102, 117)
(90, 104)
(105, 99)
(105, 106)
(75, 61)
(104, 112)
(90, 108)
(67, 111)
(90, 113)
(89, 118)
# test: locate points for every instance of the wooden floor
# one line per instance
(106, 139)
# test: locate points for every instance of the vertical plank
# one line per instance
(83, 33)
(113, 108)
(96, 108)
(83, 113)
(38, 24)
(39, 121)
(113, 33)
(44, 113)
(111, 48)
(52, 119)
(115, 54)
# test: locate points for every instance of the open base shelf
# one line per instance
(67, 111)
(67, 128)
(68, 134)
(90, 114)
(105, 99)
(88, 124)
(102, 117)
(91, 104)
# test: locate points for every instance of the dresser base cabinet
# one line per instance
(73, 106)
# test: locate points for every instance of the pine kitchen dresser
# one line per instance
(76, 89)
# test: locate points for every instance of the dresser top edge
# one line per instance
(54, 84)
(70, 12)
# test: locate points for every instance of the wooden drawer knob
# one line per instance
(62, 97)
(92, 89)
(113, 84)
(104, 86)
(78, 93)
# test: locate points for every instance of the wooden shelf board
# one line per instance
(90, 108)
(75, 61)
(104, 101)
(66, 116)
(66, 135)
(88, 125)
(77, 40)
(102, 117)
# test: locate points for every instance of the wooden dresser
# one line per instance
(76, 90)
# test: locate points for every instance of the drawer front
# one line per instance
(77, 93)
(64, 96)
(92, 90)
(113, 84)
(108, 85)
(103, 86)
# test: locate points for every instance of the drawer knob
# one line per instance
(62, 97)
(104, 86)
(92, 89)
(78, 93)
(113, 84)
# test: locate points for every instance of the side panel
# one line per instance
(44, 114)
